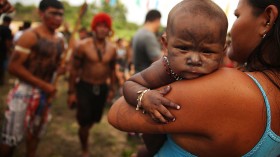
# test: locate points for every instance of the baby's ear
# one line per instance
(163, 40)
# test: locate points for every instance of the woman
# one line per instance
(229, 112)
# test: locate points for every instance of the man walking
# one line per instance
(34, 61)
(94, 62)
(146, 48)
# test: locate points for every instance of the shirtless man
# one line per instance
(34, 61)
(93, 65)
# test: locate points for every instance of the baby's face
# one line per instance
(195, 47)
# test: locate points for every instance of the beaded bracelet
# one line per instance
(139, 98)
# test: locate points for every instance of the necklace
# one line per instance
(169, 71)
(98, 50)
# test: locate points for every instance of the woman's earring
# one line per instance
(264, 34)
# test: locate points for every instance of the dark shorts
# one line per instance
(91, 102)
(122, 63)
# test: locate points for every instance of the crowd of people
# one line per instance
(96, 70)
(195, 73)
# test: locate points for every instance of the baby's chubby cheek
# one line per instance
(211, 65)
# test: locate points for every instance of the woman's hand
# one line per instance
(154, 103)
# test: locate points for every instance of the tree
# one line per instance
(121, 27)
(24, 13)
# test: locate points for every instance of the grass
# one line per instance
(61, 138)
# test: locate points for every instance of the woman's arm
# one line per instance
(207, 104)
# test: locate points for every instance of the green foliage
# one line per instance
(70, 13)
(25, 13)
(125, 31)
(121, 27)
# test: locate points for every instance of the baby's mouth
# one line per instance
(191, 75)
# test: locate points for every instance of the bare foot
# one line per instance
(133, 155)
(85, 154)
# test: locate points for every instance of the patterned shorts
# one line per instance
(26, 110)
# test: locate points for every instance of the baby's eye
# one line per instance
(183, 48)
(207, 51)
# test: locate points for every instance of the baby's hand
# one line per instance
(154, 103)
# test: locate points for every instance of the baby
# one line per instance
(194, 45)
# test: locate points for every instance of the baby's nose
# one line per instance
(194, 59)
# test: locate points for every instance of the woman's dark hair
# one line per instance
(45, 4)
(258, 61)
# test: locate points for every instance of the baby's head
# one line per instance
(195, 38)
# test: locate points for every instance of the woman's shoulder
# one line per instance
(225, 95)
(226, 91)
(225, 86)
(218, 81)
(226, 74)
(220, 106)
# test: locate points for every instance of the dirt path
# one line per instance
(61, 138)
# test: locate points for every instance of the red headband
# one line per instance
(100, 18)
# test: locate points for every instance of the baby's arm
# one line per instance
(152, 101)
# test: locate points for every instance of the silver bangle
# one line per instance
(139, 98)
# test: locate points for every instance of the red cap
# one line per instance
(101, 18)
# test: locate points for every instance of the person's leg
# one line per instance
(13, 124)
(2, 73)
(32, 142)
(99, 103)
(83, 136)
(6, 150)
(89, 112)
(37, 122)
(84, 115)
